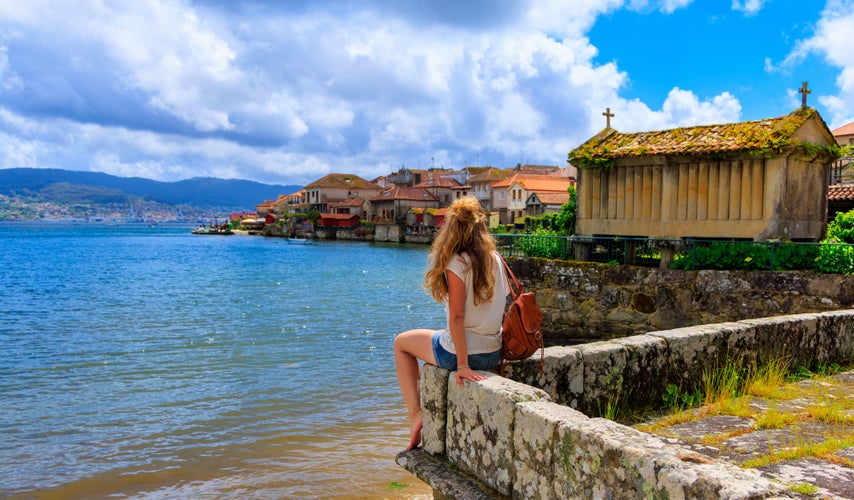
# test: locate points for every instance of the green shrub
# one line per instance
(543, 243)
(835, 259)
(789, 256)
(725, 255)
(841, 228)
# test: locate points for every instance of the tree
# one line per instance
(565, 219)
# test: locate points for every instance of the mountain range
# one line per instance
(98, 193)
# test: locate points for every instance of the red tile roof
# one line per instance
(840, 192)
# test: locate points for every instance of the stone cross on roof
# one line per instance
(804, 91)
(608, 115)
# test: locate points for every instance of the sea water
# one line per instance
(147, 362)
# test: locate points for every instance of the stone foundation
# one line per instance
(526, 438)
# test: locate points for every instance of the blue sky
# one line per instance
(285, 92)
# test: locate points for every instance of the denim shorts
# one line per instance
(448, 360)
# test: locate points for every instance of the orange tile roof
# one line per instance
(442, 181)
(351, 202)
(536, 182)
(840, 192)
(703, 139)
(552, 197)
(844, 130)
(546, 184)
(342, 181)
(405, 193)
(491, 175)
(338, 216)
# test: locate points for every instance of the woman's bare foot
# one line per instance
(415, 432)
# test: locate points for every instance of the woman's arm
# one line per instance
(456, 316)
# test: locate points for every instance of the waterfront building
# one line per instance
(332, 189)
(390, 208)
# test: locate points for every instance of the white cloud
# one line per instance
(749, 7)
(681, 108)
(285, 93)
(665, 6)
(832, 40)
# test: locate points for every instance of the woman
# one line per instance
(466, 273)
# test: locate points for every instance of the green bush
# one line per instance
(725, 255)
(543, 243)
(841, 228)
(789, 256)
(835, 259)
(827, 258)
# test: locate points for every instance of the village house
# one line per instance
(405, 177)
(353, 206)
(842, 171)
(546, 202)
(755, 180)
(845, 135)
(333, 189)
(268, 206)
(510, 196)
(441, 186)
(390, 209)
(481, 185)
(840, 193)
(338, 220)
(291, 204)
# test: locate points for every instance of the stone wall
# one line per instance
(525, 438)
(585, 301)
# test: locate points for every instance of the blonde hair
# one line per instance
(464, 232)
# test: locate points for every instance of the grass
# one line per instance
(803, 488)
(773, 418)
(728, 389)
(773, 396)
(825, 450)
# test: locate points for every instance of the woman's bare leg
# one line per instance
(409, 347)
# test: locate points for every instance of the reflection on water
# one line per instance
(151, 363)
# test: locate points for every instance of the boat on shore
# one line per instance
(215, 231)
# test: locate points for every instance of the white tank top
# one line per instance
(482, 322)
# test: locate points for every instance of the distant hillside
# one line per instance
(201, 192)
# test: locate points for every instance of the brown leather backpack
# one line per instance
(520, 333)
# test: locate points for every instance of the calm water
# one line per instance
(146, 362)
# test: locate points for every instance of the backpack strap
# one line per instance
(515, 285)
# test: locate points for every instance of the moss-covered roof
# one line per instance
(767, 136)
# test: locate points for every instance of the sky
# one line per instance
(284, 92)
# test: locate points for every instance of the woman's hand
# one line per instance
(468, 374)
